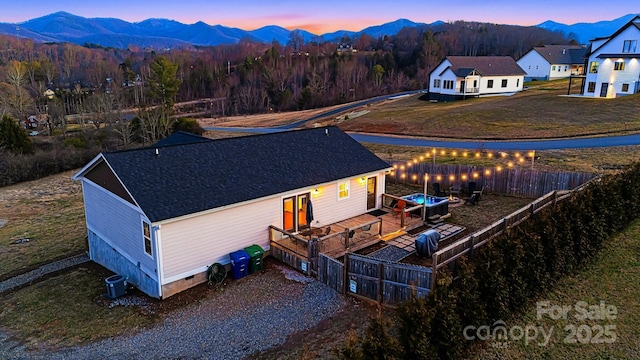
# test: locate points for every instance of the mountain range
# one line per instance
(163, 33)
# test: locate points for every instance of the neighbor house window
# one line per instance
(593, 67)
(629, 46)
(146, 232)
(490, 84)
(504, 83)
(618, 65)
(447, 84)
(625, 87)
(553, 68)
(436, 83)
(343, 190)
(591, 87)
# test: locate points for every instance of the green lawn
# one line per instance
(536, 113)
(613, 278)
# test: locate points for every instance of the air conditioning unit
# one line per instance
(116, 286)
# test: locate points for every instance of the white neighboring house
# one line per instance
(458, 77)
(613, 68)
(161, 215)
(550, 62)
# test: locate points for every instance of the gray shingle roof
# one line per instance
(562, 54)
(181, 137)
(189, 178)
(486, 65)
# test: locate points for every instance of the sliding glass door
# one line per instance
(294, 212)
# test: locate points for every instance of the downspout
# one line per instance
(159, 270)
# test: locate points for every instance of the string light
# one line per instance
(518, 158)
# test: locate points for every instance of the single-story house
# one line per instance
(162, 215)
(458, 77)
(613, 67)
(550, 62)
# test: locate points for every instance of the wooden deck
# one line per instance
(353, 234)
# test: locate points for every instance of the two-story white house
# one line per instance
(613, 68)
(550, 62)
(459, 77)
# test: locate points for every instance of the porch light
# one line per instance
(439, 178)
(490, 155)
(452, 177)
(477, 155)
(316, 191)
(454, 153)
(464, 177)
(475, 175)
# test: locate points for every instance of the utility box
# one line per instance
(239, 264)
(116, 286)
(255, 254)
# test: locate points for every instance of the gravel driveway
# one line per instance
(255, 313)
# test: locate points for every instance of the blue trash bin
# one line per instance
(239, 264)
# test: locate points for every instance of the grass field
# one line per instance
(612, 278)
(537, 113)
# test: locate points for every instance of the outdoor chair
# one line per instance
(364, 231)
(471, 188)
(472, 200)
(398, 208)
(327, 231)
(437, 191)
(455, 189)
(479, 192)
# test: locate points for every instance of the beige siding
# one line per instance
(191, 245)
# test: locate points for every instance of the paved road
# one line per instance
(523, 145)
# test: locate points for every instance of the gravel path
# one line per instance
(32, 275)
(255, 313)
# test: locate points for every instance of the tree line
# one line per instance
(249, 77)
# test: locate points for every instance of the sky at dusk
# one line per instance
(322, 16)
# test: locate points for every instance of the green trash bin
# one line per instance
(255, 258)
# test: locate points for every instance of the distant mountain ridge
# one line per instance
(164, 33)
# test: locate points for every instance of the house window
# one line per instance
(146, 233)
(343, 190)
(591, 87)
(593, 67)
(629, 46)
(566, 67)
(436, 83)
(529, 67)
(517, 82)
(504, 83)
(618, 65)
(490, 84)
(625, 87)
(447, 84)
(553, 68)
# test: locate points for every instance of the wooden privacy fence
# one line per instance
(509, 181)
(387, 283)
(331, 273)
(466, 245)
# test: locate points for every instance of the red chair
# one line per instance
(399, 207)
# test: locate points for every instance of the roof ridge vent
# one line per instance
(326, 132)
(157, 152)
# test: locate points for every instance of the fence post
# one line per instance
(434, 270)
(380, 276)
(472, 240)
(345, 273)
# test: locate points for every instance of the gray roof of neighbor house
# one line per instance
(485, 65)
(562, 54)
(189, 178)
